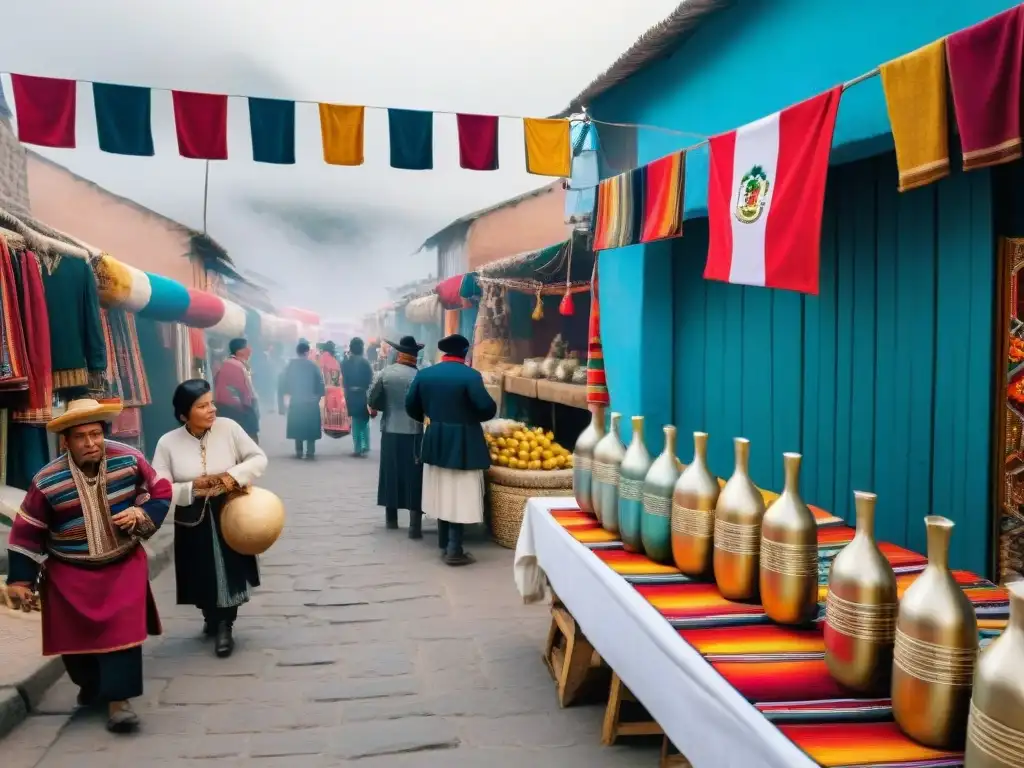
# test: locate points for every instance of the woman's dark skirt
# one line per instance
(203, 579)
(400, 483)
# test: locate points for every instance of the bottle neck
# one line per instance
(939, 531)
(741, 447)
(670, 441)
(791, 464)
(865, 505)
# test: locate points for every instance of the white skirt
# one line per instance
(454, 495)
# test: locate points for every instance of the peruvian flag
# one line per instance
(766, 194)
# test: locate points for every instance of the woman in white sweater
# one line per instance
(206, 459)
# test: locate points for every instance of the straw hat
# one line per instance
(84, 411)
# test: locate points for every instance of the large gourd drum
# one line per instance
(251, 522)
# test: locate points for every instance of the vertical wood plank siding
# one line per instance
(883, 381)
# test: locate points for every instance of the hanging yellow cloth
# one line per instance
(547, 147)
(915, 94)
(341, 129)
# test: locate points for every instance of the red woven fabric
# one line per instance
(204, 309)
(448, 291)
(201, 120)
(46, 110)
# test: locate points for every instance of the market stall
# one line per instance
(711, 671)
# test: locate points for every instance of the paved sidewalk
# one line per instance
(360, 647)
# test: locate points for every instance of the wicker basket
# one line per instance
(509, 490)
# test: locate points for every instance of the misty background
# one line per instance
(329, 239)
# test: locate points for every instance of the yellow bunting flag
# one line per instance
(341, 129)
(547, 147)
(915, 93)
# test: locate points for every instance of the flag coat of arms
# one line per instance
(766, 194)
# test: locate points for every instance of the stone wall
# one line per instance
(13, 170)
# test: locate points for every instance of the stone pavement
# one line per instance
(360, 647)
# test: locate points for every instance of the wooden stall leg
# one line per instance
(614, 727)
(670, 758)
(579, 654)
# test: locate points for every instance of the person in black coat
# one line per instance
(356, 378)
(303, 384)
(454, 454)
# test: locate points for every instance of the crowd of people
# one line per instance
(75, 549)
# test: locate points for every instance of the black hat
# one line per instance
(329, 346)
(406, 345)
(456, 344)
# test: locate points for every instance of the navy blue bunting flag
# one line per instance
(272, 125)
(412, 139)
(124, 119)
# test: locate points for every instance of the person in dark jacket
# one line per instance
(303, 384)
(453, 397)
(356, 377)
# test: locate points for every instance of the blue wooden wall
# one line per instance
(883, 381)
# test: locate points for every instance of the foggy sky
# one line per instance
(333, 238)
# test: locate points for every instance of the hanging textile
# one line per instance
(46, 110)
(341, 131)
(112, 378)
(581, 192)
(597, 384)
(134, 384)
(985, 67)
(205, 309)
(113, 280)
(127, 424)
(272, 127)
(168, 299)
(915, 96)
(663, 198)
(76, 334)
(620, 209)
(412, 139)
(182, 353)
(478, 142)
(14, 374)
(548, 150)
(201, 122)
(197, 342)
(124, 119)
(35, 320)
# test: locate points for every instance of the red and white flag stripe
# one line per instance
(766, 194)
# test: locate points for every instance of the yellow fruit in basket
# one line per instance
(547, 455)
(512, 443)
(501, 441)
(535, 465)
(560, 461)
(517, 435)
(521, 464)
(548, 464)
(494, 457)
(535, 455)
(503, 460)
(549, 435)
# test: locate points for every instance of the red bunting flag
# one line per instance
(201, 121)
(478, 142)
(46, 110)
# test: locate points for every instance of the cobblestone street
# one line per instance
(359, 646)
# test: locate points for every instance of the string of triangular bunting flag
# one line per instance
(766, 184)
(46, 116)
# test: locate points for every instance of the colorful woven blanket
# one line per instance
(781, 670)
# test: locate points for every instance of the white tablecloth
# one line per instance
(702, 714)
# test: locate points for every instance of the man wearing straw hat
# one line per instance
(78, 534)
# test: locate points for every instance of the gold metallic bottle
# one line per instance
(583, 460)
(694, 498)
(936, 650)
(995, 727)
(656, 521)
(604, 484)
(789, 553)
(737, 543)
(860, 611)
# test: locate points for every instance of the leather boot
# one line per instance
(415, 525)
(225, 642)
(391, 518)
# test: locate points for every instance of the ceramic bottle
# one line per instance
(694, 499)
(860, 609)
(995, 727)
(583, 459)
(737, 541)
(659, 484)
(635, 464)
(789, 553)
(604, 484)
(936, 650)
